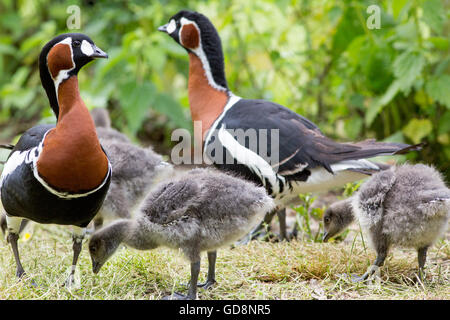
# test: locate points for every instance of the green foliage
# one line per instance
(305, 216)
(318, 58)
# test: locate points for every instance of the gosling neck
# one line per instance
(136, 234)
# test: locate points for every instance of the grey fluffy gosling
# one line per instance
(201, 210)
(407, 205)
(135, 170)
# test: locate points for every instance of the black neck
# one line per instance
(212, 48)
(211, 44)
(49, 86)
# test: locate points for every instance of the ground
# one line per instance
(259, 270)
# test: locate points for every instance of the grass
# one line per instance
(259, 270)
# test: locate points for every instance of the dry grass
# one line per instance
(260, 270)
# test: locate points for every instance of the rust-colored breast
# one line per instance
(59, 58)
(72, 159)
(206, 103)
(190, 37)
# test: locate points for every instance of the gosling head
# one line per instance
(104, 243)
(336, 218)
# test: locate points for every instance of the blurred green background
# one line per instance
(319, 58)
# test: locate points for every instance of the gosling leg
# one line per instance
(192, 291)
(382, 249)
(422, 257)
(211, 279)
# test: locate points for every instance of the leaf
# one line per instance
(444, 123)
(399, 7)
(440, 43)
(135, 99)
(438, 89)
(434, 14)
(165, 104)
(348, 28)
(377, 104)
(377, 70)
(407, 67)
(417, 129)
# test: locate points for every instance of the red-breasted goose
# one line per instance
(307, 160)
(58, 174)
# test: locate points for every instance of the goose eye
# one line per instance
(76, 43)
(327, 220)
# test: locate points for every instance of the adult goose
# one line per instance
(260, 140)
(58, 174)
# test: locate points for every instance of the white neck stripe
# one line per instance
(64, 195)
(201, 55)
(231, 102)
(31, 156)
(63, 74)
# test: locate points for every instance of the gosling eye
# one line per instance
(327, 219)
(76, 43)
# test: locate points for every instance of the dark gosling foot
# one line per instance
(208, 284)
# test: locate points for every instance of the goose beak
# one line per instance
(163, 28)
(98, 53)
(325, 237)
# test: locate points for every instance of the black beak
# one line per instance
(325, 237)
(98, 53)
(96, 267)
(163, 28)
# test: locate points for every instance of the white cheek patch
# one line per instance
(86, 48)
(171, 27)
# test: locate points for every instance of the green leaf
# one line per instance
(377, 104)
(165, 104)
(440, 43)
(135, 99)
(399, 7)
(407, 67)
(417, 129)
(444, 123)
(438, 89)
(434, 14)
(348, 28)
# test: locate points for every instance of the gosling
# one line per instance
(407, 205)
(201, 210)
(135, 170)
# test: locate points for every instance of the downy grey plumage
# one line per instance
(201, 210)
(407, 205)
(135, 170)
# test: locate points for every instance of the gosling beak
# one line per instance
(98, 53)
(96, 267)
(163, 28)
(325, 237)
